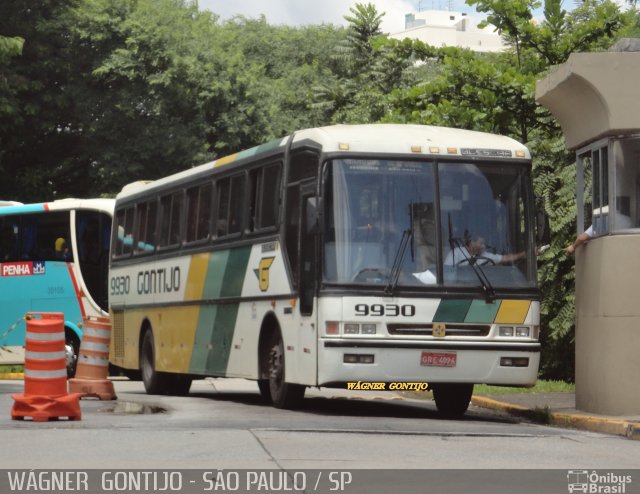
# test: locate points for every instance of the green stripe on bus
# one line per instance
(213, 282)
(482, 312)
(454, 310)
(235, 271)
(202, 344)
(268, 146)
(222, 339)
(216, 323)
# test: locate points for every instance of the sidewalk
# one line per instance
(559, 409)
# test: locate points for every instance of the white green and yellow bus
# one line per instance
(334, 255)
(54, 257)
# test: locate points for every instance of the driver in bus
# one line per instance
(475, 250)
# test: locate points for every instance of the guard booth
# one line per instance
(596, 99)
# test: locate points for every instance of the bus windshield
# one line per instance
(384, 213)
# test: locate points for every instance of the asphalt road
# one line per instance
(224, 424)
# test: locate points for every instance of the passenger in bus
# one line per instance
(62, 251)
(475, 250)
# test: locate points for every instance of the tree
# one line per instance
(591, 26)
(9, 48)
(38, 127)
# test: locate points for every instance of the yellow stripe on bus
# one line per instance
(226, 160)
(197, 276)
(174, 333)
(512, 312)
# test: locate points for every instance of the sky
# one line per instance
(299, 12)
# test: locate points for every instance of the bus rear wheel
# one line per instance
(265, 390)
(452, 399)
(156, 383)
(282, 394)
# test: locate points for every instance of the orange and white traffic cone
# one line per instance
(45, 372)
(93, 361)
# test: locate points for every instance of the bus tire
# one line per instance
(265, 390)
(154, 382)
(452, 399)
(131, 374)
(282, 394)
(180, 384)
(71, 352)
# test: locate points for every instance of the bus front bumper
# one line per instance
(498, 363)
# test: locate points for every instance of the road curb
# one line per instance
(12, 375)
(618, 427)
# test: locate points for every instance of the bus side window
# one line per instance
(170, 222)
(47, 237)
(198, 212)
(222, 218)
(270, 196)
(265, 197)
(123, 232)
(145, 238)
(230, 205)
(8, 240)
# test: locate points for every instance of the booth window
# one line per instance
(626, 155)
(608, 182)
(593, 189)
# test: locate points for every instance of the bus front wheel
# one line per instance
(282, 394)
(452, 399)
(71, 351)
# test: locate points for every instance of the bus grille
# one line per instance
(452, 329)
(118, 334)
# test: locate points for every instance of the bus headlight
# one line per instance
(518, 331)
(369, 329)
(351, 328)
(506, 331)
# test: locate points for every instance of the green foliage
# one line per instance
(542, 386)
(38, 128)
(108, 92)
(10, 47)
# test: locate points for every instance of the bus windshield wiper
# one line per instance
(487, 288)
(394, 275)
(489, 292)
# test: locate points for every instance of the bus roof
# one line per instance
(409, 139)
(105, 205)
(396, 139)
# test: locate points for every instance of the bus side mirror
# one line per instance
(313, 206)
(543, 233)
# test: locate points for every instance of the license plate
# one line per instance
(438, 359)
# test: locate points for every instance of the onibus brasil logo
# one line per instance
(595, 482)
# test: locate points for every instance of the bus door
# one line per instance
(308, 236)
(302, 179)
(307, 283)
